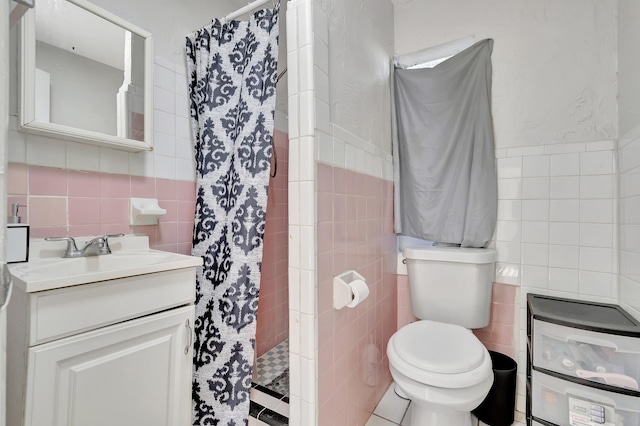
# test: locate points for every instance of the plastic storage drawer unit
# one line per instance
(583, 363)
(566, 403)
(603, 358)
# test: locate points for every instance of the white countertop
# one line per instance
(131, 255)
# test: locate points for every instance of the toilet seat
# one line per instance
(439, 354)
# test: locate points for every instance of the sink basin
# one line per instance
(41, 274)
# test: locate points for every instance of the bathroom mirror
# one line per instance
(86, 76)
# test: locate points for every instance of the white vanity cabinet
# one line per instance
(104, 353)
(133, 373)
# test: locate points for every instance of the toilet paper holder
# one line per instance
(349, 289)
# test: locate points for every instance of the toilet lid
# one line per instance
(438, 347)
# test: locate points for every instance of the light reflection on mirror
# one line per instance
(89, 72)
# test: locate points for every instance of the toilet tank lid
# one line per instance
(451, 254)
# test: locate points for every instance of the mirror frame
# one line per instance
(27, 106)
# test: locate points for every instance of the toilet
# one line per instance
(437, 362)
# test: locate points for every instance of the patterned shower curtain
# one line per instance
(232, 85)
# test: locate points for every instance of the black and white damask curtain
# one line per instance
(232, 86)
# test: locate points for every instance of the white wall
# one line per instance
(554, 62)
(76, 100)
(629, 153)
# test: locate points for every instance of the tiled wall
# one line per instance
(557, 226)
(629, 153)
(556, 219)
(318, 369)
(355, 231)
(67, 202)
(405, 316)
(499, 334)
(273, 308)
(629, 202)
(303, 342)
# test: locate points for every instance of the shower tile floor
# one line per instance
(273, 369)
(270, 392)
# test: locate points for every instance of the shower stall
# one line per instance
(272, 346)
(271, 367)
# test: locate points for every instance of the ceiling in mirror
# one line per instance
(71, 28)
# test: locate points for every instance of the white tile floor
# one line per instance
(393, 411)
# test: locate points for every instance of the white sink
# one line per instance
(130, 257)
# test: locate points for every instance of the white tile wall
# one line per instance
(629, 204)
(556, 230)
(113, 161)
(304, 110)
(356, 154)
(556, 216)
(83, 157)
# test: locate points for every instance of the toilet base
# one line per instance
(400, 392)
(433, 415)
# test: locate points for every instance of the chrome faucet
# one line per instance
(95, 247)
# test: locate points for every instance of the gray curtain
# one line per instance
(446, 186)
(232, 74)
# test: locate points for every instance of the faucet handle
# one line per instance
(72, 248)
(112, 236)
(105, 238)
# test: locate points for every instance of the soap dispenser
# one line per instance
(17, 241)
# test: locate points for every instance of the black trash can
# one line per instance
(499, 406)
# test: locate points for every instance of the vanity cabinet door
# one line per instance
(133, 373)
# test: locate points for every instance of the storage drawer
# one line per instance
(552, 398)
(67, 311)
(599, 357)
(534, 423)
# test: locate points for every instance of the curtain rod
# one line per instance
(248, 8)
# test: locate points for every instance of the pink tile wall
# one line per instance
(68, 202)
(273, 305)
(497, 336)
(405, 316)
(355, 231)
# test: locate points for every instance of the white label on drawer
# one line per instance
(587, 413)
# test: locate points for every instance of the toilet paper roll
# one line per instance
(360, 291)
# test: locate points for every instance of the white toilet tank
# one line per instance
(451, 284)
